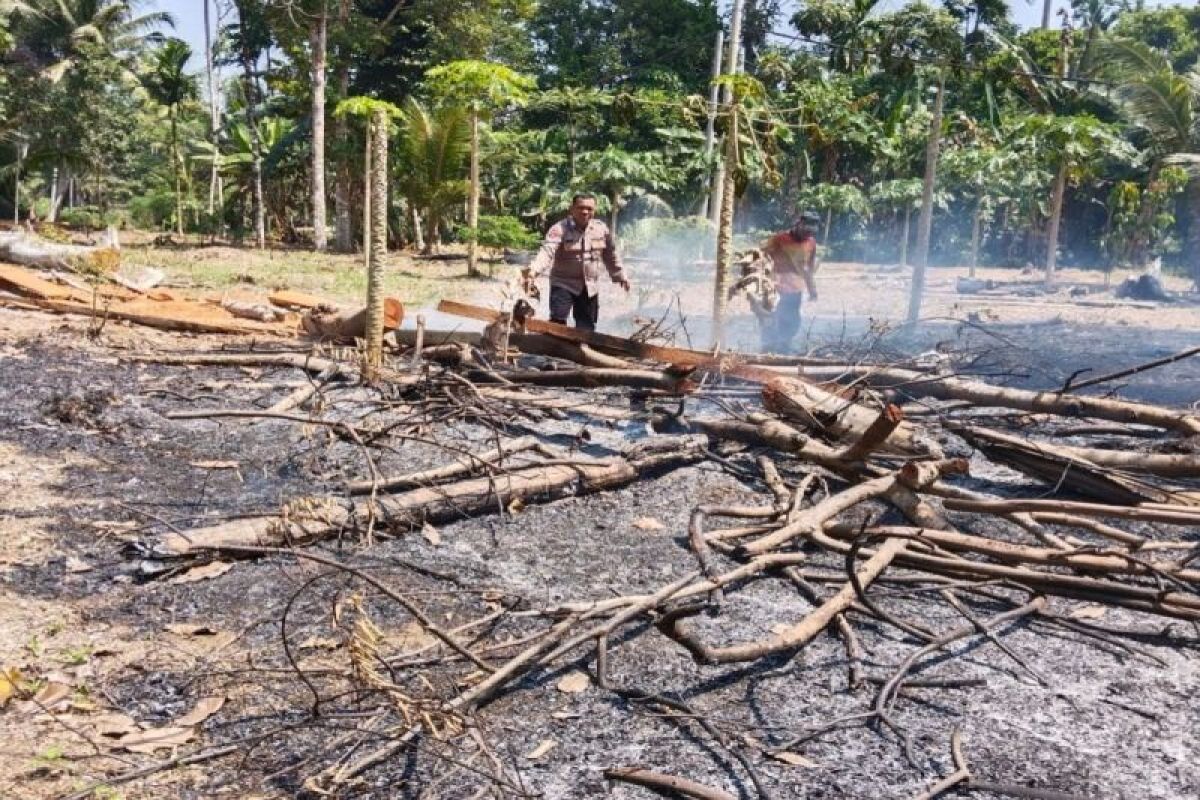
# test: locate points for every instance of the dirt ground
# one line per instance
(90, 466)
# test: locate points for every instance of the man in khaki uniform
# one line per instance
(573, 252)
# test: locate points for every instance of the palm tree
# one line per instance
(380, 126)
(169, 86)
(434, 148)
(485, 87)
(1166, 106)
(60, 32)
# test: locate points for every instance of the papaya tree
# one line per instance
(485, 88)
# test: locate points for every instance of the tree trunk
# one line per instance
(418, 232)
(976, 231)
(379, 157)
(913, 384)
(214, 112)
(366, 218)
(473, 200)
(58, 193)
(614, 199)
(177, 168)
(251, 92)
(925, 220)
(1047, 7)
(725, 229)
(1056, 207)
(318, 42)
(343, 220)
(904, 237)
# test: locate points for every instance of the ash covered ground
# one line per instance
(90, 466)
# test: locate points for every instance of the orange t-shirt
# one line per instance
(792, 258)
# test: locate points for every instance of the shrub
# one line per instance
(500, 233)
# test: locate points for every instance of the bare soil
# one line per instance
(89, 465)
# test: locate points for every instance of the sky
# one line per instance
(189, 17)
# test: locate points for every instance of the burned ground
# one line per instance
(92, 468)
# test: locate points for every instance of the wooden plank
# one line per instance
(199, 323)
(27, 284)
(601, 341)
(287, 298)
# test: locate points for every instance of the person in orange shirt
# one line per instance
(794, 256)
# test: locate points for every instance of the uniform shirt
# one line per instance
(574, 256)
(795, 261)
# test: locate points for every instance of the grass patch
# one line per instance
(339, 277)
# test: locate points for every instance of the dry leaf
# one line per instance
(574, 683)
(114, 725)
(1088, 612)
(75, 565)
(51, 695)
(793, 759)
(210, 570)
(566, 715)
(156, 739)
(545, 747)
(205, 708)
(413, 636)
(11, 682)
(648, 524)
(431, 534)
(516, 505)
(214, 464)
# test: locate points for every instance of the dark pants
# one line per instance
(782, 326)
(586, 310)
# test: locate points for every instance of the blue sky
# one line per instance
(189, 17)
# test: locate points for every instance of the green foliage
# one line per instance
(482, 85)
(500, 233)
(431, 160)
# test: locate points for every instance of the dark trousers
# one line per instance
(585, 309)
(782, 326)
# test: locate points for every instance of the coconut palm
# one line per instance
(1165, 105)
(485, 88)
(60, 32)
(434, 146)
(170, 86)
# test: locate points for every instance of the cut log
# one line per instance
(1061, 469)
(915, 384)
(1008, 552)
(616, 345)
(593, 378)
(29, 250)
(309, 521)
(257, 311)
(295, 301)
(1164, 465)
(346, 325)
(837, 418)
(468, 464)
(542, 345)
(914, 476)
